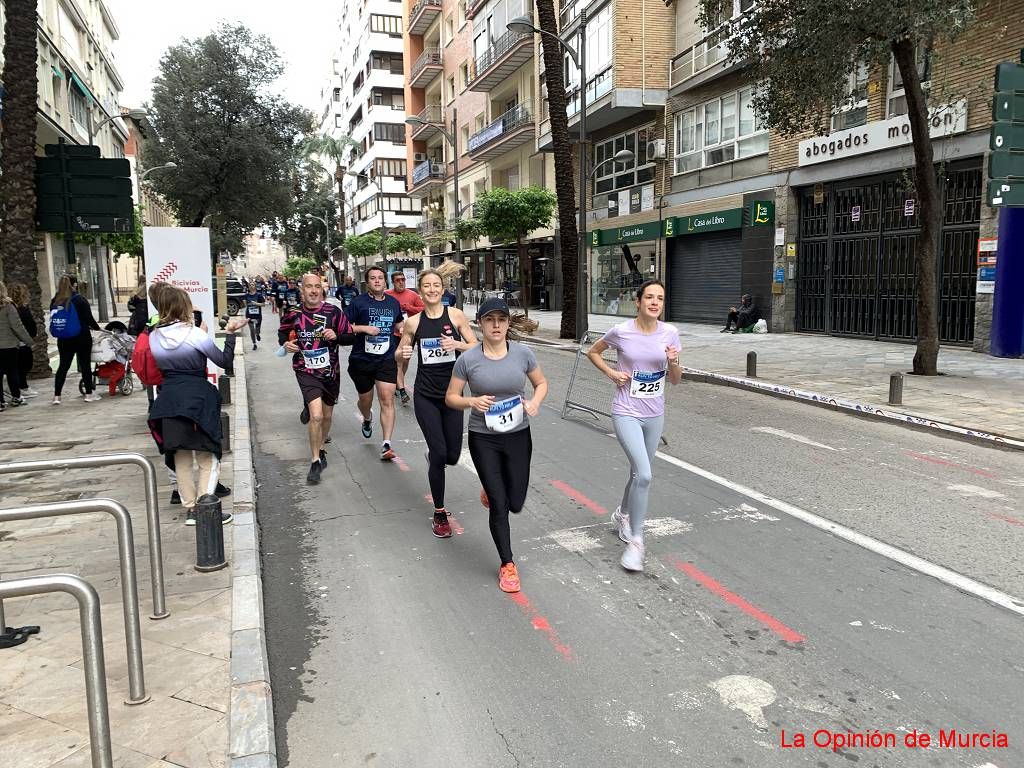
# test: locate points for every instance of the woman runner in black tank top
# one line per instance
(440, 334)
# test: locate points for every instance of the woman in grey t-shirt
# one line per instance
(499, 426)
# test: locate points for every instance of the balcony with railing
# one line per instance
(425, 68)
(508, 132)
(422, 15)
(427, 175)
(473, 7)
(509, 53)
(432, 122)
(709, 58)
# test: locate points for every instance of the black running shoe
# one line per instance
(368, 426)
(190, 517)
(404, 395)
(175, 497)
(327, 440)
(221, 491)
(314, 473)
(323, 459)
(304, 416)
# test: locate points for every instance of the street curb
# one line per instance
(251, 738)
(856, 408)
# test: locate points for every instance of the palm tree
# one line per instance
(564, 186)
(318, 146)
(17, 163)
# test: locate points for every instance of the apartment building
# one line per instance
(79, 88)
(822, 229)
(365, 100)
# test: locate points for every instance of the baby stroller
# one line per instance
(112, 357)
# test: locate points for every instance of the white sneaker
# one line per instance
(94, 397)
(29, 392)
(633, 557)
(56, 400)
(622, 522)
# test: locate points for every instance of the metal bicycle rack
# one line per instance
(92, 651)
(156, 557)
(129, 588)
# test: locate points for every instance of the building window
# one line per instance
(336, 96)
(78, 107)
(393, 132)
(388, 97)
(388, 25)
(854, 109)
(464, 141)
(718, 131)
(599, 49)
(449, 29)
(451, 87)
(462, 12)
(390, 62)
(612, 175)
(463, 75)
(897, 101)
(395, 169)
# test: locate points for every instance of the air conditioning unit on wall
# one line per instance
(419, 157)
(656, 149)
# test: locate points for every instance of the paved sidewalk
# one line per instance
(188, 656)
(977, 391)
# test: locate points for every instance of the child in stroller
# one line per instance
(112, 355)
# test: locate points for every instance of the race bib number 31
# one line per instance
(433, 354)
(316, 359)
(647, 384)
(504, 415)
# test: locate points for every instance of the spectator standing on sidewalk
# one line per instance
(185, 417)
(12, 331)
(139, 309)
(71, 347)
(19, 295)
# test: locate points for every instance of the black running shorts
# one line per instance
(364, 373)
(315, 387)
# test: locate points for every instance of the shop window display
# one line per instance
(616, 271)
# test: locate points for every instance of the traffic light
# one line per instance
(1006, 160)
(79, 191)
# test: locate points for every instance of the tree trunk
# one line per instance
(17, 167)
(565, 189)
(926, 249)
(524, 276)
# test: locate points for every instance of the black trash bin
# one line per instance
(544, 303)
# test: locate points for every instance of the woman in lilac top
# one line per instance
(648, 358)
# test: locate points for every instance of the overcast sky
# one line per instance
(301, 30)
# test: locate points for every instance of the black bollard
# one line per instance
(224, 385)
(752, 365)
(209, 534)
(225, 432)
(896, 389)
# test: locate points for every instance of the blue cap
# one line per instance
(492, 305)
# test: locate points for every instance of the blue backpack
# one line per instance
(64, 322)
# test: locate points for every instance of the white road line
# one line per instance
(792, 436)
(975, 490)
(466, 461)
(919, 564)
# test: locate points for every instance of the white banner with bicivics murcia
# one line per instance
(181, 256)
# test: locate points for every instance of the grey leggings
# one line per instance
(639, 439)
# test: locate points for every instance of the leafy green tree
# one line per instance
(234, 142)
(506, 216)
(405, 242)
(363, 247)
(325, 149)
(17, 164)
(802, 52)
(301, 232)
(297, 266)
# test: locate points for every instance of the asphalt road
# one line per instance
(391, 648)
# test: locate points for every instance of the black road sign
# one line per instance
(90, 185)
(95, 225)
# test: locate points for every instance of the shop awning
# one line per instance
(81, 86)
(56, 71)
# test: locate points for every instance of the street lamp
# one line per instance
(148, 171)
(452, 138)
(135, 114)
(522, 25)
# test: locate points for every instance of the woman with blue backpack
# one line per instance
(72, 323)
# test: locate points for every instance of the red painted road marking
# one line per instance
(1006, 519)
(776, 626)
(541, 624)
(944, 463)
(578, 497)
(401, 464)
(459, 530)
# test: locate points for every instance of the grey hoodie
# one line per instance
(183, 348)
(12, 330)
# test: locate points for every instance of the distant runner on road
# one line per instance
(441, 334)
(411, 304)
(371, 365)
(313, 333)
(648, 358)
(499, 426)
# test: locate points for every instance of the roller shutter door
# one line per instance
(704, 277)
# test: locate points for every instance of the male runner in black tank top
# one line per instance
(440, 333)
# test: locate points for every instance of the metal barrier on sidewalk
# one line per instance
(129, 588)
(92, 651)
(156, 555)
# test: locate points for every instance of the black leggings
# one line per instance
(254, 327)
(503, 463)
(9, 368)
(442, 428)
(78, 347)
(24, 365)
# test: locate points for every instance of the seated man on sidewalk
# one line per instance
(743, 318)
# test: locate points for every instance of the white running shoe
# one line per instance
(29, 392)
(633, 556)
(621, 521)
(94, 397)
(56, 400)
